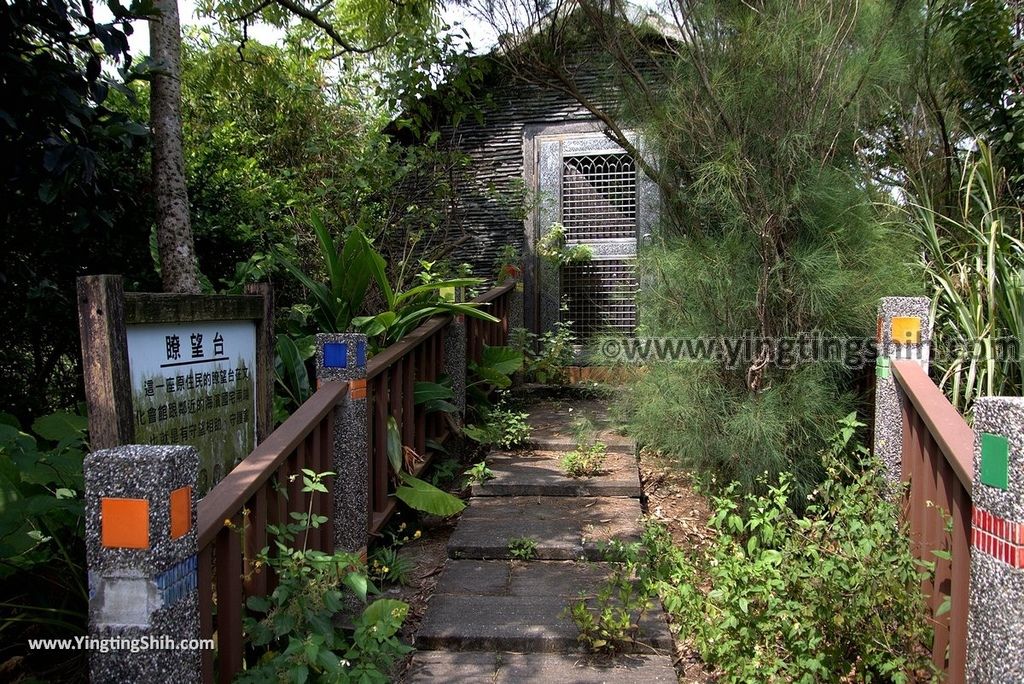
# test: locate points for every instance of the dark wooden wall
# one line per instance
(495, 148)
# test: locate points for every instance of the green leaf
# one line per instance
(394, 445)
(386, 612)
(358, 583)
(290, 369)
(60, 426)
(428, 391)
(425, 497)
(260, 604)
(494, 377)
(502, 359)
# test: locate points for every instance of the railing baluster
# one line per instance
(959, 584)
(255, 540)
(229, 600)
(204, 578)
(380, 436)
(327, 461)
(408, 404)
(420, 429)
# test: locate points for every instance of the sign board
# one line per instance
(178, 369)
(194, 383)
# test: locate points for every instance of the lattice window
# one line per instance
(598, 197)
(601, 297)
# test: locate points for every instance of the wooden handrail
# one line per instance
(494, 293)
(949, 429)
(386, 357)
(231, 493)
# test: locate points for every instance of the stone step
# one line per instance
(540, 473)
(552, 424)
(564, 528)
(470, 667)
(516, 578)
(533, 624)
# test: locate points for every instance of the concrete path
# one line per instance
(494, 619)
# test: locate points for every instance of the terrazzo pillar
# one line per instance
(516, 320)
(995, 627)
(455, 361)
(342, 356)
(515, 308)
(140, 534)
(904, 333)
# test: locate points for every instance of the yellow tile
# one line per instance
(124, 523)
(906, 330)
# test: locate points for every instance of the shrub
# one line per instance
(829, 594)
(293, 629)
(42, 529)
(546, 355)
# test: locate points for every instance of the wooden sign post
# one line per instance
(178, 369)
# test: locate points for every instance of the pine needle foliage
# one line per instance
(773, 231)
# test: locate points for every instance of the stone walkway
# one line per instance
(492, 619)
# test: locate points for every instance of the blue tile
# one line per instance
(335, 355)
(361, 354)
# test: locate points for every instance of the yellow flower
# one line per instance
(417, 535)
(385, 569)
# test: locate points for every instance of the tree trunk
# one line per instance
(178, 268)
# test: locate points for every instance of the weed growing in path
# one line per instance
(522, 548)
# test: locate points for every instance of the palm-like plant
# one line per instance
(352, 268)
(975, 265)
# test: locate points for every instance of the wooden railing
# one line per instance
(480, 332)
(938, 467)
(233, 517)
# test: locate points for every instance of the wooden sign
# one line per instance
(178, 369)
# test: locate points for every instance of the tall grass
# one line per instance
(974, 263)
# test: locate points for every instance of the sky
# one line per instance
(481, 35)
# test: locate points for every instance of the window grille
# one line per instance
(599, 205)
(598, 197)
(600, 297)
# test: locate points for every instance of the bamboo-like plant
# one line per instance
(974, 263)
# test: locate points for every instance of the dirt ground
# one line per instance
(670, 498)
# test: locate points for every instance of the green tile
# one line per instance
(882, 367)
(995, 461)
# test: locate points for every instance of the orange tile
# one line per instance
(181, 512)
(906, 330)
(878, 331)
(357, 389)
(124, 523)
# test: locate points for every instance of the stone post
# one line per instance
(140, 533)
(455, 360)
(904, 332)
(342, 356)
(995, 627)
